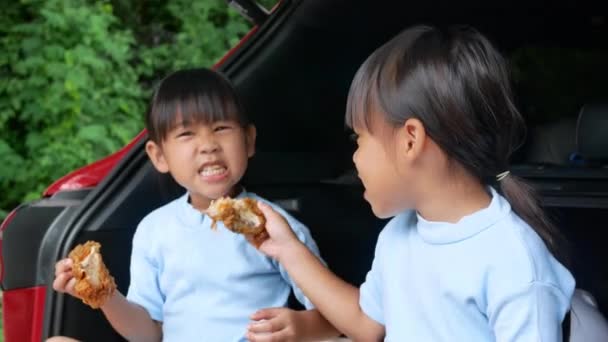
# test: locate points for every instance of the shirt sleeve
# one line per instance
(305, 237)
(370, 292)
(534, 313)
(144, 288)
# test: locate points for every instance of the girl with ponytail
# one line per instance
(469, 254)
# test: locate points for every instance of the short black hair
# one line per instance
(192, 96)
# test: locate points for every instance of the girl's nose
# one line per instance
(208, 145)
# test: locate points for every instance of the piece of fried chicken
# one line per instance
(240, 216)
(94, 284)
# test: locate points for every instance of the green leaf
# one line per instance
(93, 133)
(76, 76)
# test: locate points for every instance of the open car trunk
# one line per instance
(294, 74)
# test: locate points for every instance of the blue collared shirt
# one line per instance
(201, 283)
(488, 277)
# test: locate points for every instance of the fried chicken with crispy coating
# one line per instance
(240, 216)
(94, 284)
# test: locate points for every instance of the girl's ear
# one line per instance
(412, 138)
(155, 154)
(250, 136)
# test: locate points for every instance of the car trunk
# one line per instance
(294, 74)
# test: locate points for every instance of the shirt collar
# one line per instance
(468, 226)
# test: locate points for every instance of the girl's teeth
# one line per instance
(213, 170)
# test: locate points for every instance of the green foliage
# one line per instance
(68, 93)
(205, 32)
(75, 76)
(198, 35)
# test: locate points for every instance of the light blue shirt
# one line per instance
(203, 284)
(488, 277)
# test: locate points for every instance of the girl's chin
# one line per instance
(380, 210)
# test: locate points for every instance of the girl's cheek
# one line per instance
(356, 157)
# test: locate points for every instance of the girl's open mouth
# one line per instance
(213, 173)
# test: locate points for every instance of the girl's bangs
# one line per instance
(188, 110)
(363, 104)
(206, 109)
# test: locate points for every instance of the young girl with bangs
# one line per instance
(469, 254)
(188, 281)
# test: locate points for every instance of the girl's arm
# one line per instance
(130, 320)
(532, 313)
(314, 326)
(337, 300)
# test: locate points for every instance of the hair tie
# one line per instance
(502, 175)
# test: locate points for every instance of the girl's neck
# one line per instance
(451, 200)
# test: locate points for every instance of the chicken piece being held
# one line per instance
(241, 216)
(94, 284)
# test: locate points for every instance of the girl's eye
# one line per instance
(185, 134)
(354, 137)
(221, 128)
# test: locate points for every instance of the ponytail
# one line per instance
(525, 203)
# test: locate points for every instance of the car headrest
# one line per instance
(592, 132)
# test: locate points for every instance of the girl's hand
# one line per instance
(281, 236)
(64, 279)
(275, 324)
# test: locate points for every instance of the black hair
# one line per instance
(457, 84)
(192, 96)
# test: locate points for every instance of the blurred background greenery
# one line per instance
(75, 76)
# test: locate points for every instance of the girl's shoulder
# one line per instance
(162, 216)
(521, 256)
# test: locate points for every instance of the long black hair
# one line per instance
(457, 84)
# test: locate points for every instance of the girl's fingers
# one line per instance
(269, 321)
(266, 337)
(61, 281)
(262, 327)
(276, 225)
(272, 217)
(70, 286)
(63, 266)
(269, 326)
(269, 313)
